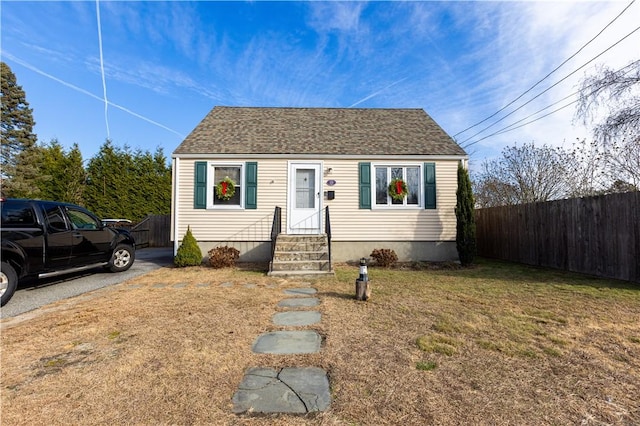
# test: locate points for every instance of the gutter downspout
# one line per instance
(174, 203)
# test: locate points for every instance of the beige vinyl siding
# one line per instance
(348, 222)
(232, 224)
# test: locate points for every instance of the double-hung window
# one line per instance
(225, 185)
(409, 174)
(374, 180)
(219, 176)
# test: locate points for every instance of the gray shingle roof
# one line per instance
(333, 131)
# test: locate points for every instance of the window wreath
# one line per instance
(398, 189)
(225, 189)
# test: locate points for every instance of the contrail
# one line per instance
(377, 93)
(104, 82)
(85, 92)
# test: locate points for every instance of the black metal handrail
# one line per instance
(327, 229)
(276, 228)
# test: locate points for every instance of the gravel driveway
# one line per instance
(33, 294)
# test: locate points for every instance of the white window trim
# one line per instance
(211, 184)
(375, 206)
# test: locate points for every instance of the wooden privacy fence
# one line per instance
(153, 231)
(595, 235)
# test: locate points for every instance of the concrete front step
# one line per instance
(301, 246)
(300, 265)
(300, 255)
(308, 237)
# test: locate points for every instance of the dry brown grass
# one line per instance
(508, 345)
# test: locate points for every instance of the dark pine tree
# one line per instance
(20, 156)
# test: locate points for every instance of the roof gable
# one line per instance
(320, 131)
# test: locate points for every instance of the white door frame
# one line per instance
(304, 220)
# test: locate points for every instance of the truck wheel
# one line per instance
(122, 258)
(8, 282)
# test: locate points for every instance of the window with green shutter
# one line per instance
(419, 181)
(210, 174)
(251, 185)
(200, 185)
(364, 173)
(429, 185)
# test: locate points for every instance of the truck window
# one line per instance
(17, 214)
(81, 220)
(55, 219)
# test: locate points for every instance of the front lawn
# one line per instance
(497, 343)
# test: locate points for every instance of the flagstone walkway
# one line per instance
(296, 390)
(293, 390)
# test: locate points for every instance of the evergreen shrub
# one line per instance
(189, 253)
(465, 219)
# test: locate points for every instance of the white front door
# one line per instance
(304, 198)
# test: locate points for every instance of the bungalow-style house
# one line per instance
(334, 182)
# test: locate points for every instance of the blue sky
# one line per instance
(166, 64)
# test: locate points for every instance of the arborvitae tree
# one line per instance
(189, 253)
(76, 176)
(63, 176)
(152, 192)
(17, 137)
(52, 170)
(107, 188)
(162, 173)
(465, 219)
(127, 184)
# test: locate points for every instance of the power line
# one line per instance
(546, 76)
(551, 87)
(534, 120)
(511, 126)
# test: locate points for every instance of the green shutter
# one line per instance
(365, 185)
(200, 186)
(429, 185)
(251, 185)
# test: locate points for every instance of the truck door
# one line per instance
(58, 251)
(91, 240)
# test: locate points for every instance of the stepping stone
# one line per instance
(180, 285)
(250, 286)
(202, 285)
(227, 284)
(299, 302)
(301, 291)
(296, 318)
(287, 342)
(291, 390)
(159, 285)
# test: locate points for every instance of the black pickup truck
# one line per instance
(47, 238)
